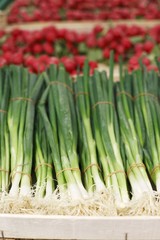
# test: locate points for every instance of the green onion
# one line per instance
(87, 141)
(25, 89)
(146, 102)
(61, 100)
(134, 158)
(4, 135)
(43, 168)
(107, 133)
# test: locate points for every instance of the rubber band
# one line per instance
(15, 169)
(135, 165)
(3, 170)
(147, 95)
(81, 93)
(41, 164)
(65, 169)
(3, 111)
(23, 99)
(125, 93)
(22, 173)
(92, 165)
(115, 172)
(62, 84)
(105, 102)
(19, 165)
(155, 169)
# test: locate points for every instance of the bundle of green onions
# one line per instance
(61, 128)
(79, 138)
(133, 155)
(24, 90)
(106, 131)
(147, 112)
(87, 149)
(45, 184)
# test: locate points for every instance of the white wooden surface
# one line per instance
(67, 227)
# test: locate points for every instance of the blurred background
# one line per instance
(36, 33)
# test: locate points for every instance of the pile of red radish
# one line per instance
(40, 10)
(38, 49)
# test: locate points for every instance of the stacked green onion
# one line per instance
(79, 137)
(133, 154)
(24, 90)
(90, 167)
(147, 111)
(107, 135)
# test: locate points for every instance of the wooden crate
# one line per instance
(69, 227)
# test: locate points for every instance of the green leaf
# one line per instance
(82, 48)
(95, 55)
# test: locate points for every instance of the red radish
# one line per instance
(106, 53)
(69, 64)
(2, 33)
(146, 61)
(3, 61)
(48, 48)
(81, 37)
(70, 36)
(18, 45)
(120, 49)
(126, 43)
(148, 46)
(152, 67)
(109, 37)
(29, 61)
(139, 47)
(17, 58)
(91, 41)
(53, 60)
(37, 48)
(50, 36)
(8, 57)
(97, 29)
(79, 60)
(133, 60)
(93, 64)
(101, 42)
(51, 10)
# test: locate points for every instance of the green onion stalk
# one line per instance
(62, 119)
(67, 126)
(147, 110)
(92, 176)
(25, 88)
(49, 122)
(45, 185)
(107, 135)
(4, 134)
(84, 156)
(134, 166)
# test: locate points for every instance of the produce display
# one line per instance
(38, 49)
(39, 10)
(83, 146)
(73, 139)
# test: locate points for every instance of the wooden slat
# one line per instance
(67, 227)
(82, 25)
